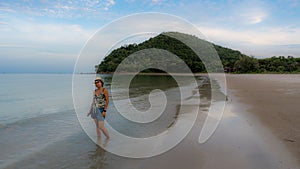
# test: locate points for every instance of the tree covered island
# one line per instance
(232, 60)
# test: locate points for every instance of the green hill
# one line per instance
(232, 60)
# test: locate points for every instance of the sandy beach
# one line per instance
(274, 100)
(259, 129)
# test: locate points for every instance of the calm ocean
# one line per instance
(39, 127)
(36, 111)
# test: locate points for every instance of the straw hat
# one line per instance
(98, 78)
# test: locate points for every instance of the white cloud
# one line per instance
(3, 23)
(156, 1)
(260, 42)
(108, 4)
(253, 16)
(65, 7)
(30, 40)
(60, 9)
(267, 36)
(45, 44)
(44, 33)
(112, 2)
(7, 10)
(7, 45)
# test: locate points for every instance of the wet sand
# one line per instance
(273, 99)
(242, 139)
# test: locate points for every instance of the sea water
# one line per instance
(37, 116)
(35, 111)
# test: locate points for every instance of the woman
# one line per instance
(99, 107)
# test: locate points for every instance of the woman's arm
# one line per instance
(90, 111)
(106, 98)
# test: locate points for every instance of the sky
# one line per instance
(46, 36)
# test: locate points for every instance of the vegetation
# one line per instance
(232, 60)
(279, 64)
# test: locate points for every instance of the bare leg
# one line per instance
(103, 129)
(97, 129)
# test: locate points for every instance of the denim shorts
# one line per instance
(98, 114)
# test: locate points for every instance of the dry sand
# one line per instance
(275, 100)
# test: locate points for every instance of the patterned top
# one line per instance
(100, 100)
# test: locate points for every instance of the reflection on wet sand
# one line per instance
(97, 158)
(235, 144)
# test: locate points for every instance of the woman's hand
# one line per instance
(88, 113)
(103, 114)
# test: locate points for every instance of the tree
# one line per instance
(246, 64)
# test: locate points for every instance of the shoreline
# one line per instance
(199, 73)
(272, 100)
(241, 140)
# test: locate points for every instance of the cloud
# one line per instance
(259, 42)
(7, 10)
(250, 12)
(44, 33)
(156, 1)
(65, 7)
(3, 23)
(108, 4)
(38, 41)
(41, 46)
(111, 2)
(253, 16)
(60, 9)
(4, 45)
(266, 36)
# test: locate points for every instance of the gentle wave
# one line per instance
(28, 136)
(40, 117)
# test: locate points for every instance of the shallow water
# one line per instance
(37, 113)
(55, 139)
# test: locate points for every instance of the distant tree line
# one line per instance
(233, 61)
